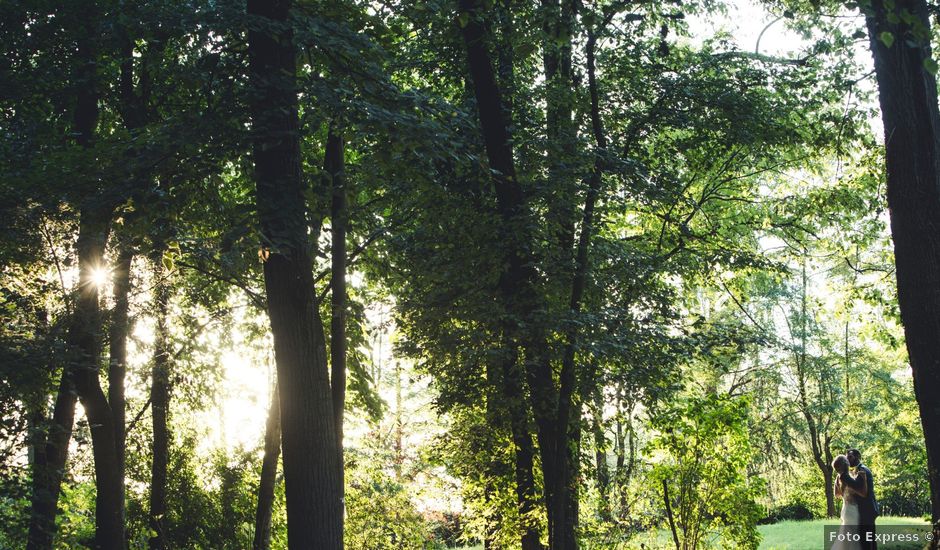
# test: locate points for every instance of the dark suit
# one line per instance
(867, 509)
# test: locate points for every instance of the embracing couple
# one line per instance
(855, 484)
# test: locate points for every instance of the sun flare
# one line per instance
(100, 276)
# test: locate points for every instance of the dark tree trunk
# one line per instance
(109, 525)
(80, 378)
(160, 404)
(80, 374)
(908, 97)
(117, 363)
(672, 520)
(515, 283)
(572, 485)
(272, 451)
(496, 419)
(601, 470)
(335, 171)
(560, 129)
(625, 460)
(49, 466)
(830, 492)
(312, 471)
(523, 453)
(567, 459)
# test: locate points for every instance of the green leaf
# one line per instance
(886, 38)
(525, 49)
(931, 65)
(463, 19)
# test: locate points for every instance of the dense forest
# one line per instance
(464, 273)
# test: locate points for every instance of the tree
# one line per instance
(80, 375)
(899, 35)
(703, 473)
(312, 470)
(272, 452)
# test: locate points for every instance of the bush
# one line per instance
(381, 515)
(791, 511)
(446, 528)
(700, 457)
(14, 508)
(895, 501)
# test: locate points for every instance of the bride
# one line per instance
(848, 529)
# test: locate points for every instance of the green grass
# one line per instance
(786, 535)
(806, 535)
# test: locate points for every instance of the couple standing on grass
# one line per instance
(855, 484)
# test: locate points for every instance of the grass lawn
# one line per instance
(786, 535)
(806, 535)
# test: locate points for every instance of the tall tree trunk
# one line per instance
(830, 492)
(566, 455)
(515, 283)
(272, 451)
(334, 166)
(560, 129)
(160, 403)
(398, 455)
(907, 93)
(109, 505)
(601, 470)
(625, 460)
(523, 452)
(49, 466)
(80, 374)
(117, 363)
(312, 471)
(537, 351)
(495, 418)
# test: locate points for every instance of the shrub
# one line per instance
(380, 514)
(786, 512)
(701, 458)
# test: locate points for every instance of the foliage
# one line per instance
(700, 458)
(380, 514)
(739, 303)
(788, 512)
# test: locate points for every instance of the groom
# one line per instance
(864, 484)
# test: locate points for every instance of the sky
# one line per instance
(745, 21)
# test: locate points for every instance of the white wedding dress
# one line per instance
(850, 519)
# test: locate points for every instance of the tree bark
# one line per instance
(49, 466)
(523, 453)
(312, 471)
(272, 451)
(117, 363)
(566, 459)
(80, 374)
(907, 93)
(335, 171)
(602, 471)
(560, 129)
(109, 505)
(160, 404)
(515, 283)
(672, 521)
